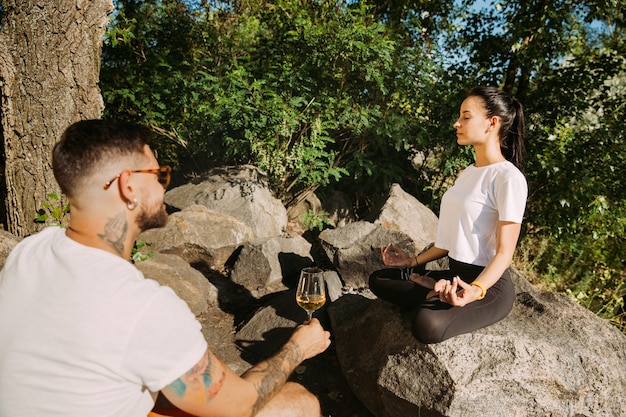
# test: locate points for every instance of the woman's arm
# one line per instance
(431, 254)
(507, 234)
(394, 256)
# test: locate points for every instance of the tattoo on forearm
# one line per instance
(214, 389)
(274, 373)
(115, 231)
(199, 378)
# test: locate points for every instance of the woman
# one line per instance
(479, 225)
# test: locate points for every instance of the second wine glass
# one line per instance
(311, 291)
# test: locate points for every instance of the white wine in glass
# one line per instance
(311, 291)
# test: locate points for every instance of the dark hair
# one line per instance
(511, 114)
(86, 145)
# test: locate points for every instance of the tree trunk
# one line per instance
(49, 72)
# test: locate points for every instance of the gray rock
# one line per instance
(333, 285)
(270, 327)
(272, 264)
(355, 249)
(300, 209)
(199, 235)
(403, 212)
(339, 208)
(240, 192)
(549, 357)
(187, 283)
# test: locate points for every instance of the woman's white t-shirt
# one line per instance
(473, 206)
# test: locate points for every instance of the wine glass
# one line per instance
(311, 291)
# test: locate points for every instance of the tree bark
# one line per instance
(49, 72)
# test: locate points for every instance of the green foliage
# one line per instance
(357, 95)
(54, 212)
(569, 266)
(578, 206)
(139, 253)
(311, 93)
(571, 77)
(506, 42)
(312, 220)
(122, 33)
(146, 69)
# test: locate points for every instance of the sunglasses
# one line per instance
(164, 175)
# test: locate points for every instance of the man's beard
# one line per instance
(152, 220)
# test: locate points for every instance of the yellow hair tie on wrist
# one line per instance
(483, 290)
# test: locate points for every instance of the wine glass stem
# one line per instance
(310, 315)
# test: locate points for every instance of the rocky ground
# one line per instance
(321, 375)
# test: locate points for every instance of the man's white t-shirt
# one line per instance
(84, 333)
(473, 206)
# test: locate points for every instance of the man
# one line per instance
(83, 333)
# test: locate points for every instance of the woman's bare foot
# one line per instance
(423, 280)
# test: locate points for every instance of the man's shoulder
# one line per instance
(50, 232)
(32, 242)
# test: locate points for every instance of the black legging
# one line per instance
(434, 320)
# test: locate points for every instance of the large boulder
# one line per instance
(307, 205)
(354, 249)
(270, 327)
(403, 212)
(271, 264)
(340, 209)
(241, 192)
(188, 283)
(336, 210)
(199, 235)
(550, 356)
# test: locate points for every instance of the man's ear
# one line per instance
(125, 188)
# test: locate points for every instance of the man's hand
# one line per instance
(311, 338)
(211, 388)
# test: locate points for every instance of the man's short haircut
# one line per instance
(88, 145)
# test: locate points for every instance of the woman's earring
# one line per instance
(132, 204)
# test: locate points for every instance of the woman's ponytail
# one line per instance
(514, 140)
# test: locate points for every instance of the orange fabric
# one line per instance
(168, 412)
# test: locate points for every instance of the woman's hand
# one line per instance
(457, 293)
(394, 256)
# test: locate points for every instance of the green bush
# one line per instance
(312, 220)
(54, 212)
(567, 267)
(356, 96)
